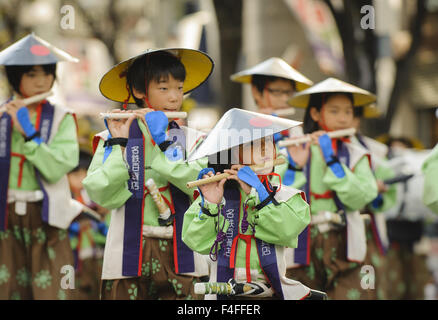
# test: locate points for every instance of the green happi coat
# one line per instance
(430, 170)
(53, 161)
(275, 224)
(107, 185)
(32, 251)
(355, 190)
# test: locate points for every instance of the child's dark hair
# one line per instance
(403, 140)
(315, 101)
(359, 111)
(153, 67)
(221, 161)
(259, 81)
(14, 73)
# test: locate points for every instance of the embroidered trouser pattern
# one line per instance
(408, 273)
(88, 279)
(158, 279)
(378, 261)
(329, 271)
(32, 255)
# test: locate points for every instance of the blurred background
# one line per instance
(391, 50)
(389, 47)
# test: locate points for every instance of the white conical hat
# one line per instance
(32, 50)
(361, 97)
(273, 67)
(238, 126)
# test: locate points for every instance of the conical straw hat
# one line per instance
(32, 50)
(198, 67)
(273, 67)
(360, 96)
(238, 126)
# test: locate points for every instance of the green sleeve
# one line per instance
(384, 172)
(56, 159)
(106, 183)
(430, 170)
(281, 224)
(357, 188)
(99, 238)
(199, 232)
(179, 172)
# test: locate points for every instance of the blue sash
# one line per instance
(134, 208)
(133, 228)
(5, 164)
(266, 252)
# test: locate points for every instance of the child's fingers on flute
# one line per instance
(237, 167)
(130, 119)
(315, 136)
(231, 171)
(208, 175)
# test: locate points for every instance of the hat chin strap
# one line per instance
(125, 103)
(148, 105)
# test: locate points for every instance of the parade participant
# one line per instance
(243, 222)
(273, 82)
(38, 148)
(375, 223)
(407, 222)
(144, 256)
(430, 170)
(338, 181)
(87, 235)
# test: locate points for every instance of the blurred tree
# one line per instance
(10, 29)
(361, 53)
(103, 29)
(229, 17)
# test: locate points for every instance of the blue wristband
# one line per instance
(103, 229)
(157, 123)
(248, 176)
(28, 127)
(74, 228)
(377, 202)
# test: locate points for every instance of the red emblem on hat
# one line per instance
(260, 122)
(39, 50)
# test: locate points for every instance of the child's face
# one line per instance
(275, 95)
(259, 152)
(35, 81)
(166, 95)
(336, 113)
